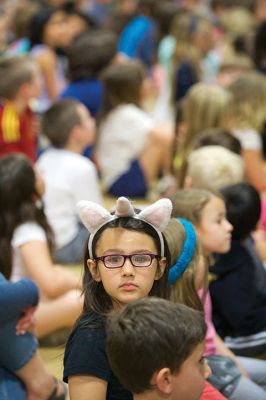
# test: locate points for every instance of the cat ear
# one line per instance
(93, 215)
(157, 214)
(124, 208)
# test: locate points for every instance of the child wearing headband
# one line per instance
(235, 377)
(125, 261)
(126, 258)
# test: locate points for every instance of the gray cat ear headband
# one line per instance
(94, 217)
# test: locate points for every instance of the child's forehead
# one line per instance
(215, 204)
(122, 237)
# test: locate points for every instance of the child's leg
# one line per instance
(20, 362)
(59, 313)
(39, 383)
(246, 389)
(157, 154)
(11, 387)
(256, 370)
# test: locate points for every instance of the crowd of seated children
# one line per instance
(69, 55)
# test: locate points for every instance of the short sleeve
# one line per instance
(249, 139)
(28, 232)
(85, 354)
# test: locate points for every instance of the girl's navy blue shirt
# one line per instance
(85, 354)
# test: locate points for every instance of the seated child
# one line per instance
(240, 316)
(87, 55)
(236, 377)
(22, 371)
(132, 150)
(175, 332)
(68, 175)
(211, 167)
(19, 83)
(26, 246)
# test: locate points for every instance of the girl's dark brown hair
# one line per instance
(19, 203)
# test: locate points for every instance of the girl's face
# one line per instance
(56, 31)
(126, 283)
(214, 231)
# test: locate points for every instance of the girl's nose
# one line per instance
(128, 268)
(229, 226)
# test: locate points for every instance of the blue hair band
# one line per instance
(187, 252)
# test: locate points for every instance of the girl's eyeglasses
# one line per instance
(118, 260)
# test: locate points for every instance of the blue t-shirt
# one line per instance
(138, 40)
(87, 91)
(85, 354)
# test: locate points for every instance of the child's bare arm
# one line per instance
(255, 169)
(52, 281)
(84, 387)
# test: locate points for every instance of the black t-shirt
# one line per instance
(85, 354)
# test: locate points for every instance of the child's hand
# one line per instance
(27, 322)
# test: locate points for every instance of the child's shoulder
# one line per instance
(130, 113)
(26, 232)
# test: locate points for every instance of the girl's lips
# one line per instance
(128, 286)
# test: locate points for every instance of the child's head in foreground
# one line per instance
(129, 253)
(155, 347)
(126, 254)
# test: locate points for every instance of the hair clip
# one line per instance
(187, 252)
(94, 216)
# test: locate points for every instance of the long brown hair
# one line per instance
(19, 203)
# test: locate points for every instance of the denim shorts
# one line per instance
(11, 388)
(15, 351)
(131, 184)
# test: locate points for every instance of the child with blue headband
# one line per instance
(125, 260)
(235, 377)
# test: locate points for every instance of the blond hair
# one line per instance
(206, 106)
(189, 203)
(212, 167)
(248, 100)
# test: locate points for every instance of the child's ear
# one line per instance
(162, 379)
(160, 269)
(94, 270)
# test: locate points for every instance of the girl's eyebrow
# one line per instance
(120, 251)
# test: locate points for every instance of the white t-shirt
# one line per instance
(69, 177)
(30, 231)
(249, 139)
(122, 137)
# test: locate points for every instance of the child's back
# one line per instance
(144, 148)
(69, 176)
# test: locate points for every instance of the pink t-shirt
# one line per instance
(210, 347)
